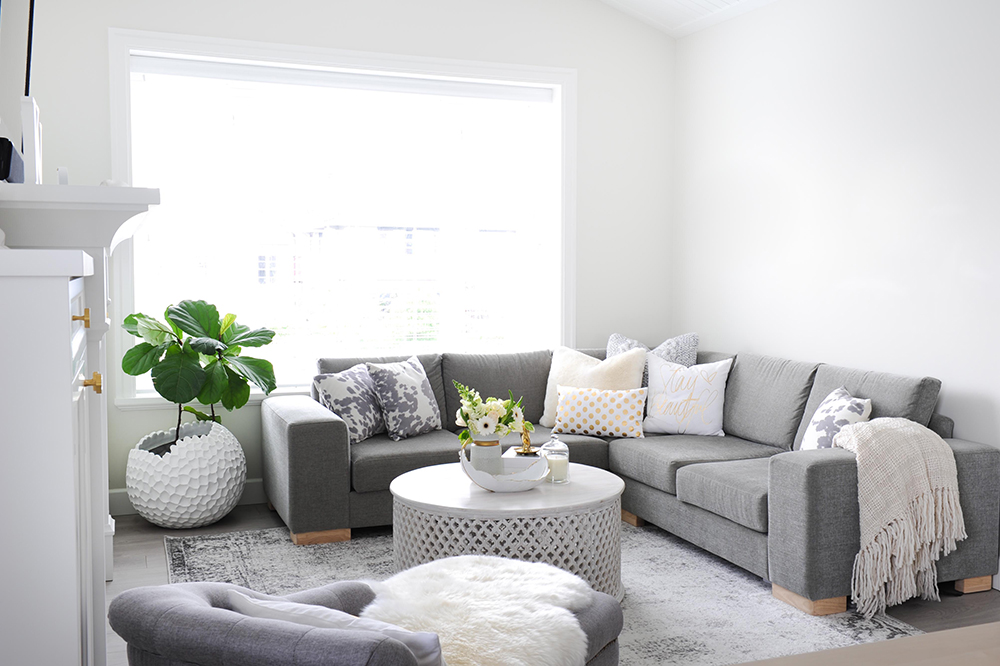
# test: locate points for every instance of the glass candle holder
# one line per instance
(557, 454)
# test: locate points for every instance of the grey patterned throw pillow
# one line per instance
(407, 400)
(837, 410)
(351, 396)
(683, 350)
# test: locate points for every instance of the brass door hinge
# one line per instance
(85, 318)
(95, 382)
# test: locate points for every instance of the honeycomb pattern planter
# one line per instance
(198, 482)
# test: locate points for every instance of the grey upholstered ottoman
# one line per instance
(192, 623)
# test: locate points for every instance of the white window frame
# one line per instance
(122, 44)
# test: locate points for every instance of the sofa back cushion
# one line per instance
(712, 357)
(525, 374)
(431, 363)
(765, 397)
(911, 398)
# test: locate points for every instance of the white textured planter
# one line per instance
(198, 482)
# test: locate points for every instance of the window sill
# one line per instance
(152, 401)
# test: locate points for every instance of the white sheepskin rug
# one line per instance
(489, 611)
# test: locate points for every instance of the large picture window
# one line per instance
(354, 212)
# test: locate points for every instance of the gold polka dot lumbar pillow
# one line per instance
(586, 411)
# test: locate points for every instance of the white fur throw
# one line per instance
(489, 611)
(909, 510)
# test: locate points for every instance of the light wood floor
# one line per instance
(141, 560)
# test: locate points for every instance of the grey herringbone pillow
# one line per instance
(406, 398)
(351, 396)
(683, 350)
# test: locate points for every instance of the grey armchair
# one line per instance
(192, 624)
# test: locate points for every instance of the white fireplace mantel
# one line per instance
(69, 215)
(92, 219)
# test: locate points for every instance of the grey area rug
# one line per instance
(682, 605)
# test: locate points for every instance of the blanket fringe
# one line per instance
(900, 562)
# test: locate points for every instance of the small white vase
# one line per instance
(196, 483)
(484, 454)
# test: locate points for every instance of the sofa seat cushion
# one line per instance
(736, 490)
(378, 460)
(654, 461)
(583, 449)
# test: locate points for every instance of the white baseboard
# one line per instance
(119, 504)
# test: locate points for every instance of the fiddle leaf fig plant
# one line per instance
(196, 355)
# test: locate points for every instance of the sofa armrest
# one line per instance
(812, 517)
(307, 463)
(978, 467)
(813, 531)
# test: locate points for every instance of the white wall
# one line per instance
(838, 191)
(624, 78)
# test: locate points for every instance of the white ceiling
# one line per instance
(683, 17)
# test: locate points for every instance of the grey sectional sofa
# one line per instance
(788, 516)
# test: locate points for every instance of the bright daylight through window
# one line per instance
(353, 213)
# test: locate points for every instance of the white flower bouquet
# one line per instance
(488, 417)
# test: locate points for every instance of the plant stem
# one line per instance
(163, 449)
(214, 418)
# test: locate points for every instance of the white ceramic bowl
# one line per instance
(523, 479)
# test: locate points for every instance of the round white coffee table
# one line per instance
(438, 512)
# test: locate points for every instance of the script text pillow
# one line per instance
(573, 368)
(683, 349)
(837, 410)
(586, 411)
(425, 646)
(351, 395)
(685, 401)
(406, 398)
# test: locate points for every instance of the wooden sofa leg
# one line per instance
(977, 584)
(632, 519)
(818, 607)
(270, 507)
(326, 536)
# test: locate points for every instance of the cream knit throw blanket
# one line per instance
(910, 514)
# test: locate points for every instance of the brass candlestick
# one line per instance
(526, 448)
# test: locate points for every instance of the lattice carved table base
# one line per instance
(585, 542)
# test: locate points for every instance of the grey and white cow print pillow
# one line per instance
(837, 410)
(683, 350)
(351, 395)
(407, 400)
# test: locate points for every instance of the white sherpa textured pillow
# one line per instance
(573, 368)
(489, 611)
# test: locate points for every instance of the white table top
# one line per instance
(446, 487)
